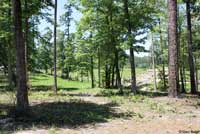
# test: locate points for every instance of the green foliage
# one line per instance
(44, 57)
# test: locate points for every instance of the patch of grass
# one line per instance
(127, 72)
(45, 82)
(5, 131)
(53, 130)
(137, 98)
(157, 107)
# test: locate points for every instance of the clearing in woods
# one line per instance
(103, 111)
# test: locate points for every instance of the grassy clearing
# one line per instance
(38, 80)
(76, 104)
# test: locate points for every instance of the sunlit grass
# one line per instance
(126, 73)
(48, 80)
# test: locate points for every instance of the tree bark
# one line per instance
(191, 60)
(131, 58)
(173, 54)
(22, 92)
(55, 50)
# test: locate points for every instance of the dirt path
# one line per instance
(145, 78)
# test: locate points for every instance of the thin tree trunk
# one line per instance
(92, 72)
(22, 92)
(81, 76)
(99, 69)
(162, 52)
(119, 84)
(55, 35)
(113, 74)
(185, 78)
(182, 80)
(67, 73)
(107, 72)
(131, 58)
(154, 66)
(173, 54)
(181, 57)
(196, 71)
(191, 60)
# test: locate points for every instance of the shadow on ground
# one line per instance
(72, 114)
(127, 92)
(152, 94)
(48, 88)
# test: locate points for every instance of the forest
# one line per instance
(99, 66)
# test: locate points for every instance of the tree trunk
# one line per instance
(99, 69)
(92, 72)
(107, 76)
(182, 80)
(113, 74)
(131, 58)
(154, 65)
(55, 35)
(162, 52)
(191, 60)
(173, 54)
(81, 76)
(22, 92)
(184, 74)
(119, 84)
(181, 57)
(68, 73)
(196, 71)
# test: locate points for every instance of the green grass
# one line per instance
(127, 72)
(43, 80)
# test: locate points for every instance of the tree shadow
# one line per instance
(72, 114)
(40, 74)
(48, 88)
(79, 94)
(153, 94)
(127, 92)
